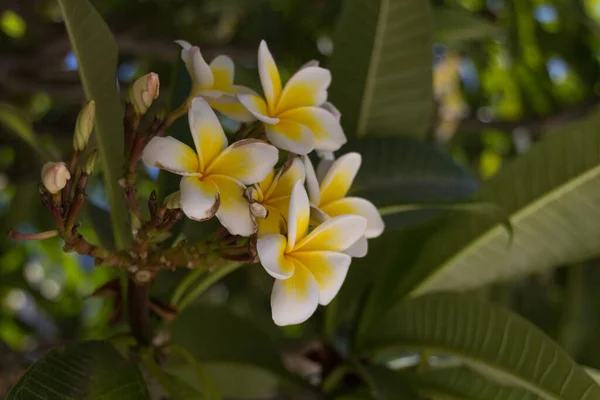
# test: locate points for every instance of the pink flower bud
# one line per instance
(143, 92)
(55, 176)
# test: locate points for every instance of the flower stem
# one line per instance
(206, 282)
(139, 311)
(185, 284)
(32, 236)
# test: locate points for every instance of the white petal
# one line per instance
(170, 154)
(312, 184)
(230, 106)
(359, 249)
(333, 110)
(269, 75)
(291, 136)
(326, 129)
(208, 135)
(339, 177)
(298, 215)
(257, 106)
(271, 249)
(306, 88)
(335, 234)
(199, 198)
(248, 161)
(328, 268)
(358, 206)
(324, 167)
(234, 210)
(295, 299)
(311, 63)
(201, 72)
(291, 172)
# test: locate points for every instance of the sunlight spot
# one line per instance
(12, 24)
(545, 13)
(558, 69)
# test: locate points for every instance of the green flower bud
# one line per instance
(143, 92)
(90, 163)
(173, 200)
(84, 126)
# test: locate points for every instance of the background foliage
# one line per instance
(453, 103)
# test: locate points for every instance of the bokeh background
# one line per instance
(506, 74)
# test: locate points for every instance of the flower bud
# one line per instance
(143, 92)
(84, 126)
(258, 210)
(90, 163)
(55, 176)
(173, 201)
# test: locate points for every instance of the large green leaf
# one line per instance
(17, 122)
(458, 24)
(493, 340)
(382, 67)
(385, 383)
(89, 370)
(463, 384)
(551, 195)
(96, 52)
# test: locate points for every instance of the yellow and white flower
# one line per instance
(273, 193)
(214, 82)
(309, 267)
(328, 189)
(293, 117)
(215, 175)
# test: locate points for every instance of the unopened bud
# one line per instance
(143, 92)
(173, 201)
(84, 126)
(55, 176)
(258, 210)
(90, 163)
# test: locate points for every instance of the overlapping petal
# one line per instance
(199, 198)
(358, 249)
(290, 173)
(257, 106)
(327, 131)
(339, 178)
(359, 206)
(208, 135)
(248, 161)
(269, 76)
(312, 184)
(229, 105)
(170, 154)
(295, 299)
(328, 268)
(291, 136)
(233, 212)
(270, 225)
(271, 251)
(198, 69)
(298, 215)
(335, 234)
(223, 69)
(307, 87)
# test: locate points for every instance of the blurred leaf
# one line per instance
(462, 383)
(176, 387)
(96, 52)
(502, 345)
(458, 24)
(214, 334)
(385, 383)
(551, 194)
(382, 67)
(12, 24)
(87, 370)
(18, 122)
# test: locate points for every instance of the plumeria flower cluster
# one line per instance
(256, 185)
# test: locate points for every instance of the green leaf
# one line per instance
(385, 383)
(87, 370)
(177, 388)
(96, 52)
(550, 194)
(493, 340)
(17, 122)
(382, 67)
(458, 25)
(214, 334)
(463, 384)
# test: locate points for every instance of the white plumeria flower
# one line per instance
(274, 192)
(309, 267)
(293, 117)
(214, 82)
(327, 189)
(214, 176)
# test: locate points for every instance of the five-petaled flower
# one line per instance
(328, 191)
(293, 116)
(274, 192)
(215, 175)
(214, 82)
(309, 267)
